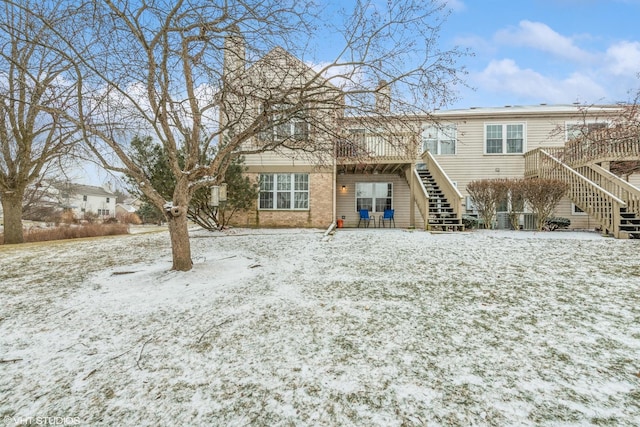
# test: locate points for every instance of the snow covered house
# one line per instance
(422, 170)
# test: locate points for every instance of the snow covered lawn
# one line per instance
(284, 327)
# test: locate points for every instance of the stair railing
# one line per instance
(586, 194)
(614, 185)
(449, 190)
(420, 194)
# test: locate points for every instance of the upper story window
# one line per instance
(108, 199)
(504, 138)
(286, 123)
(439, 139)
(84, 198)
(575, 129)
(284, 191)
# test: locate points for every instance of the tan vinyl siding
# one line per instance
(634, 179)
(346, 200)
(471, 163)
(578, 221)
(285, 158)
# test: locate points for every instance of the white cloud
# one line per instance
(540, 36)
(340, 75)
(506, 78)
(623, 59)
(455, 5)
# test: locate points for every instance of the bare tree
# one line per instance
(486, 194)
(543, 195)
(516, 195)
(241, 76)
(35, 92)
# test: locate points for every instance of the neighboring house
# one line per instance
(84, 199)
(124, 209)
(422, 171)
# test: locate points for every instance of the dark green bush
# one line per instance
(555, 223)
(470, 222)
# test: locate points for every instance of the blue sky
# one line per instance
(528, 52)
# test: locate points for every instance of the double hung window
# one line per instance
(284, 191)
(286, 123)
(439, 139)
(576, 130)
(374, 196)
(504, 138)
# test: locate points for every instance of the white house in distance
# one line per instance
(82, 199)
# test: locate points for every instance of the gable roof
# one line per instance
(82, 189)
(280, 54)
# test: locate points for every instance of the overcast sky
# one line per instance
(546, 51)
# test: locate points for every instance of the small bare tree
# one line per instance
(543, 195)
(515, 189)
(485, 195)
(36, 92)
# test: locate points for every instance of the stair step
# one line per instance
(635, 221)
(630, 228)
(441, 214)
(448, 221)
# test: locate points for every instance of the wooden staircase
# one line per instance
(630, 223)
(613, 202)
(441, 214)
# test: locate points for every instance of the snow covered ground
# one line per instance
(286, 327)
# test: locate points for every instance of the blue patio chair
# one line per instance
(387, 216)
(365, 218)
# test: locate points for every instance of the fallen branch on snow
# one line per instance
(212, 328)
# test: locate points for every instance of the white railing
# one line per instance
(377, 146)
(420, 194)
(596, 201)
(602, 146)
(614, 185)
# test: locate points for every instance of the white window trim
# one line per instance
(573, 211)
(292, 191)
(440, 133)
(373, 201)
(292, 122)
(569, 123)
(504, 138)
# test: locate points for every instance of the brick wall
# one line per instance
(319, 214)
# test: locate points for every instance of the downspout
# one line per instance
(335, 187)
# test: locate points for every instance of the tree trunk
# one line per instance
(179, 234)
(12, 211)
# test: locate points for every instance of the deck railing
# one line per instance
(377, 146)
(610, 147)
(595, 200)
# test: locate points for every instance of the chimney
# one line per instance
(234, 54)
(383, 98)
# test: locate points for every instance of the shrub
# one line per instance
(555, 223)
(470, 222)
(90, 217)
(67, 217)
(486, 194)
(72, 232)
(543, 195)
(129, 218)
